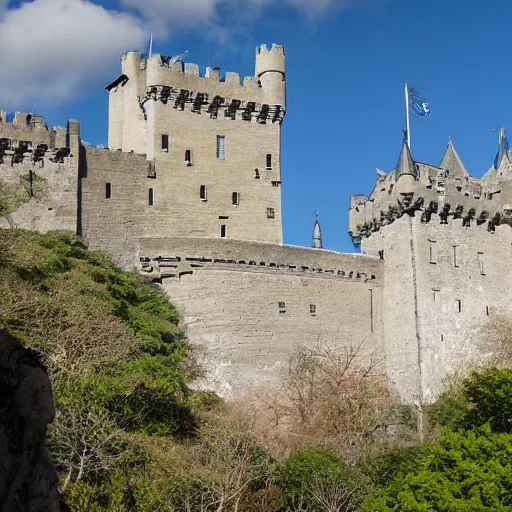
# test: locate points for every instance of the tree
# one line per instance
(331, 395)
(316, 479)
(466, 471)
(484, 397)
(468, 468)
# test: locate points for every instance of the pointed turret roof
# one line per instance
(317, 234)
(502, 150)
(451, 161)
(405, 163)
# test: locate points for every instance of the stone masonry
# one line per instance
(189, 191)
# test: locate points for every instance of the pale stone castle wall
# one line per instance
(250, 305)
(434, 239)
(39, 170)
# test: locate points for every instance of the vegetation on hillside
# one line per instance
(131, 435)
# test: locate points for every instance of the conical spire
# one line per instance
(405, 163)
(502, 149)
(452, 162)
(317, 234)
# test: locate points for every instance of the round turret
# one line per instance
(130, 65)
(270, 60)
(271, 73)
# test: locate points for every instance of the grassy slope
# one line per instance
(115, 356)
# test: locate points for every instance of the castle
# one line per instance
(189, 191)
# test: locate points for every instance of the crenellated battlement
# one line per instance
(27, 139)
(163, 71)
(446, 190)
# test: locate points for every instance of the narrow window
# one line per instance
(459, 306)
(481, 263)
(312, 308)
(150, 197)
(442, 337)
(455, 259)
(371, 310)
(221, 140)
(223, 231)
(165, 143)
(433, 252)
(436, 295)
(282, 307)
(202, 193)
(257, 174)
(31, 175)
(487, 310)
(188, 159)
(271, 213)
(269, 162)
(108, 190)
(235, 198)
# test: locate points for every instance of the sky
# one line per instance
(347, 62)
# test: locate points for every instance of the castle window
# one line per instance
(271, 214)
(455, 260)
(433, 252)
(435, 294)
(371, 310)
(481, 263)
(188, 158)
(459, 306)
(202, 193)
(221, 143)
(487, 310)
(151, 197)
(165, 143)
(108, 190)
(235, 198)
(282, 307)
(312, 308)
(257, 174)
(223, 231)
(269, 162)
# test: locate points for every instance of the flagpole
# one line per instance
(407, 120)
(151, 45)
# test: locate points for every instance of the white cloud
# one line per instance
(166, 15)
(54, 50)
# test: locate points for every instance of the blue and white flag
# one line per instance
(419, 104)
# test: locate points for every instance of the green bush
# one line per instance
(115, 360)
(466, 471)
(316, 479)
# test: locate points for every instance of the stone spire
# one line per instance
(452, 162)
(317, 234)
(405, 165)
(503, 149)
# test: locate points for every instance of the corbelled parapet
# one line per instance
(26, 138)
(167, 258)
(260, 98)
(438, 192)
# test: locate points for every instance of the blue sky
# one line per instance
(347, 62)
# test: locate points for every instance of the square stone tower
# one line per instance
(214, 143)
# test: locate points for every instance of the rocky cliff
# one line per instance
(28, 481)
